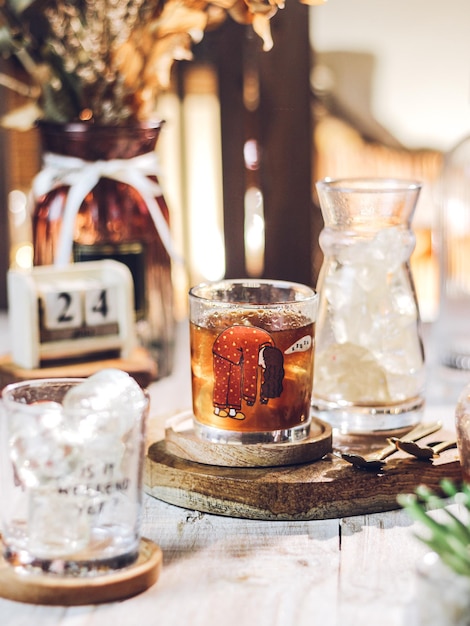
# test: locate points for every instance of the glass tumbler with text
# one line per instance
(71, 473)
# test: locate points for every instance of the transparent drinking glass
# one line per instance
(71, 473)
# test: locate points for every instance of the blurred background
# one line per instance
(392, 87)
(351, 87)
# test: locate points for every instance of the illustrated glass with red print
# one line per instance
(252, 360)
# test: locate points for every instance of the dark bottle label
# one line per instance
(131, 254)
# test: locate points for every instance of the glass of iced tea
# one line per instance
(252, 360)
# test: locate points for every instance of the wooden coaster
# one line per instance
(183, 442)
(139, 365)
(328, 488)
(56, 590)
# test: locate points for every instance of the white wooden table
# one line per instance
(219, 571)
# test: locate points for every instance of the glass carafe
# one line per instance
(369, 358)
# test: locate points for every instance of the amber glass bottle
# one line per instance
(106, 168)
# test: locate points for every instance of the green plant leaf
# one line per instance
(449, 537)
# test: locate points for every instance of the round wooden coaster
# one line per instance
(56, 590)
(182, 441)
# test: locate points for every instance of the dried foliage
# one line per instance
(108, 60)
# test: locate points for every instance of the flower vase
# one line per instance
(97, 197)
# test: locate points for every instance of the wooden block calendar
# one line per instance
(67, 312)
(73, 321)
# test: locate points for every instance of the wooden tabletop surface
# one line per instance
(223, 571)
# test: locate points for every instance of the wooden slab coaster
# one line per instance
(323, 489)
(61, 591)
(183, 442)
(139, 365)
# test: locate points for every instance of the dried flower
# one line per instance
(109, 59)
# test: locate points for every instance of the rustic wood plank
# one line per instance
(379, 554)
(229, 571)
(225, 47)
(281, 122)
(287, 144)
(323, 489)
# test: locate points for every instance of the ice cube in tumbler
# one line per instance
(108, 403)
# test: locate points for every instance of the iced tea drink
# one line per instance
(252, 360)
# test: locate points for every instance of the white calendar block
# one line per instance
(60, 313)
(62, 306)
(101, 305)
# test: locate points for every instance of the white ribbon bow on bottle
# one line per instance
(82, 176)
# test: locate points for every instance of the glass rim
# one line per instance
(7, 399)
(306, 294)
(36, 382)
(369, 184)
(9, 390)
